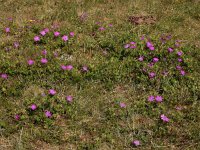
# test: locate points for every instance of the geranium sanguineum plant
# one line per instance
(52, 92)
(48, 114)
(164, 118)
(136, 143)
(36, 38)
(44, 60)
(4, 76)
(122, 105)
(65, 38)
(69, 98)
(31, 62)
(33, 107)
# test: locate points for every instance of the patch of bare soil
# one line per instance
(139, 19)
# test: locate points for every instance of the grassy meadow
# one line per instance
(99, 74)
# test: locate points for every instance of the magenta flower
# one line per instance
(164, 118)
(63, 67)
(44, 52)
(4, 76)
(30, 62)
(85, 69)
(10, 19)
(152, 74)
(180, 60)
(178, 67)
(155, 59)
(69, 98)
(152, 48)
(43, 60)
(142, 38)
(151, 98)
(36, 38)
(56, 34)
(151, 64)
(7, 30)
(127, 46)
(170, 50)
(158, 98)
(132, 43)
(149, 44)
(136, 143)
(52, 92)
(141, 58)
(179, 53)
(42, 33)
(65, 38)
(33, 107)
(46, 30)
(122, 105)
(71, 34)
(48, 114)
(17, 117)
(69, 67)
(182, 72)
(101, 29)
(16, 44)
(110, 25)
(132, 46)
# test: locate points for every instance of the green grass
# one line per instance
(94, 120)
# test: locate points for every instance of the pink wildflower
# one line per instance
(136, 143)
(69, 67)
(44, 52)
(164, 118)
(48, 114)
(155, 59)
(127, 46)
(179, 53)
(182, 72)
(71, 34)
(46, 30)
(63, 67)
(152, 74)
(36, 38)
(4, 76)
(151, 98)
(170, 50)
(85, 69)
(101, 29)
(7, 30)
(69, 98)
(52, 92)
(44, 60)
(180, 60)
(65, 38)
(158, 98)
(122, 105)
(56, 34)
(17, 117)
(141, 58)
(16, 44)
(42, 33)
(30, 62)
(33, 107)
